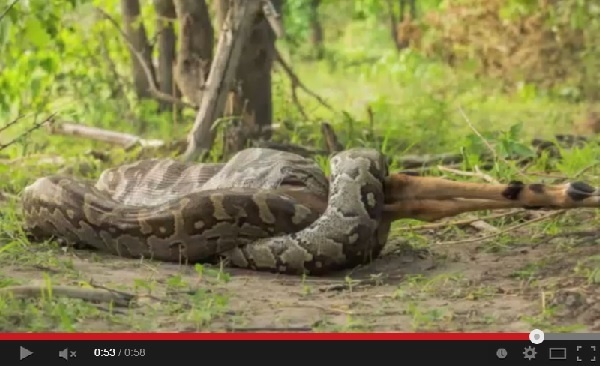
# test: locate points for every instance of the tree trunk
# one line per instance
(253, 80)
(316, 29)
(136, 33)
(221, 76)
(196, 38)
(165, 11)
(402, 28)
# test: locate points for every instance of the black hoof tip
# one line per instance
(579, 191)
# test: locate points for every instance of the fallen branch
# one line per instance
(86, 294)
(126, 140)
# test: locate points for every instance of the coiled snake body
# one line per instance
(264, 209)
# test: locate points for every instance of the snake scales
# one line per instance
(264, 210)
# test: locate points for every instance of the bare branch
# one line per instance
(153, 87)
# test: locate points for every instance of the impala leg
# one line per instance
(429, 198)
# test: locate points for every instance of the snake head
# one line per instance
(373, 162)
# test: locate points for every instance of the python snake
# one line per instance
(264, 210)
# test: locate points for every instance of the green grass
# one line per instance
(416, 106)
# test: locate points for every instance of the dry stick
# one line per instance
(477, 173)
(125, 140)
(153, 88)
(482, 225)
(331, 140)
(371, 117)
(86, 294)
(510, 228)
(486, 177)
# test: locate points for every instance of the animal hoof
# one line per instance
(579, 191)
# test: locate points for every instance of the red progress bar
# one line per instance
(264, 336)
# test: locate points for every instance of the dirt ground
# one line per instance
(464, 287)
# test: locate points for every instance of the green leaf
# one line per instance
(36, 33)
(48, 64)
(515, 130)
(522, 150)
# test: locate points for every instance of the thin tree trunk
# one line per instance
(316, 29)
(165, 11)
(195, 48)
(253, 81)
(136, 33)
(221, 77)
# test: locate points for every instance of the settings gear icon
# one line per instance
(529, 353)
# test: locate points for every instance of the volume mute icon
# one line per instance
(24, 353)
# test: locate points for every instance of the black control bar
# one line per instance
(280, 353)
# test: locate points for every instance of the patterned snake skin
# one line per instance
(254, 210)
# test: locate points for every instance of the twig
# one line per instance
(508, 229)
(11, 123)
(485, 141)
(10, 6)
(152, 85)
(477, 173)
(458, 222)
(331, 140)
(86, 294)
(484, 176)
(476, 132)
(587, 168)
(36, 126)
(483, 226)
(297, 83)
(371, 117)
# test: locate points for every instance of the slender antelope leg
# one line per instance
(429, 198)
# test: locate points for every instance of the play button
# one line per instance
(24, 353)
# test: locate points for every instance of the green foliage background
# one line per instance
(63, 56)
